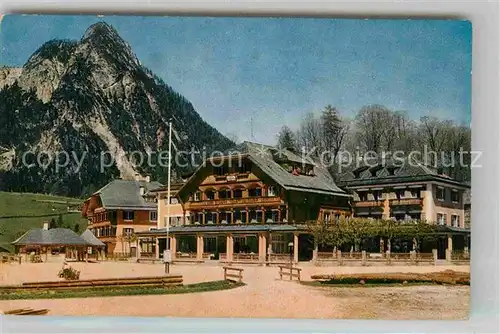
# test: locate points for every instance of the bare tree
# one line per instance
(309, 134)
(373, 124)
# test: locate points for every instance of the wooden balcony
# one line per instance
(406, 201)
(367, 204)
(232, 202)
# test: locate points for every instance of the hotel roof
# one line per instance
(378, 171)
(126, 194)
(55, 236)
(265, 158)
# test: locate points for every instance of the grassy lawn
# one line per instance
(118, 291)
(20, 212)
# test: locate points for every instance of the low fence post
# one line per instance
(388, 256)
(448, 255)
(339, 257)
(413, 257)
(363, 258)
(435, 255)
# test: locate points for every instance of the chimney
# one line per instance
(45, 226)
(148, 179)
(141, 190)
(137, 177)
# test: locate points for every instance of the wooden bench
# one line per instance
(290, 271)
(233, 277)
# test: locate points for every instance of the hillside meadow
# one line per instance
(20, 212)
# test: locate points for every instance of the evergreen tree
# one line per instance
(286, 138)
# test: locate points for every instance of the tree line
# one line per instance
(353, 231)
(375, 128)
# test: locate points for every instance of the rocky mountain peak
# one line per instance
(92, 98)
(101, 30)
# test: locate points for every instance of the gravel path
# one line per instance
(263, 296)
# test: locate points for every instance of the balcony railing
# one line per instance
(232, 202)
(406, 201)
(368, 204)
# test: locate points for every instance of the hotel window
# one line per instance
(377, 195)
(455, 220)
(210, 218)
(327, 217)
(210, 195)
(224, 194)
(271, 191)
(128, 215)
(271, 216)
(254, 192)
(440, 193)
(415, 193)
(454, 196)
(363, 196)
(252, 216)
(128, 231)
(237, 193)
(153, 216)
(278, 244)
(197, 196)
(441, 218)
(225, 217)
(243, 216)
(400, 193)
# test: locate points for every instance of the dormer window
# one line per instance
(224, 194)
(271, 191)
(254, 192)
(210, 194)
(197, 196)
(363, 196)
(440, 193)
(377, 195)
(400, 193)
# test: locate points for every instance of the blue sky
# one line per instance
(274, 70)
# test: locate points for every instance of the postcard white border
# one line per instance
(485, 293)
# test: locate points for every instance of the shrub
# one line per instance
(69, 274)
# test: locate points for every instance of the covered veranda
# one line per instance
(262, 243)
(42, 241)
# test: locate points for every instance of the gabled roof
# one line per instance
(91, 239)
(263, 156)
(377, 171)
(125, 194)
(55, 236)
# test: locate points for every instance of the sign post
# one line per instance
(167, 259)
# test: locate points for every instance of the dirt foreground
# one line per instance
(263, 296)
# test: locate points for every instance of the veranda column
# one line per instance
(449, 249)
(296, 248)
(262, 248)
(229, 248)
(157, 248)
(315, 250)
(199, 247)
(173, 246)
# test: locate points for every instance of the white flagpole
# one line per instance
(168, 181)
